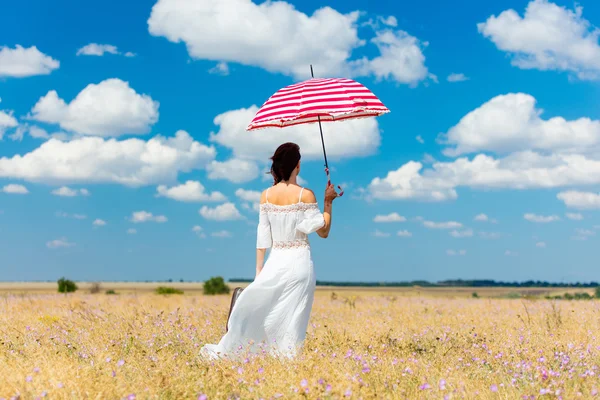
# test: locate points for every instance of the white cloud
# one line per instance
(404, 233)
(522, 170)
(380, 234)
(132, 162)
(99, 222)
(145, 216)
(547, 37)
(66, 191)
(585, 232)
(420, 139)
(580, 200)
(401, 59)
(490, 235)
(456, 78)
(252, 196)
(109, 108)
(59, 243)
(462, 234)
(234, 170)
(456, 252)
(484, 218)
(13, 188)
(131, 231)
(348, 139)
(62, 214)
(7, 120)
(197, 229)
(190, 191)
(221, 68)
(540, 244)
(22, 62)
(541, 218)
(574, 216)
(393, 217)
(223, 212)
(512, 122)
(442, 225)
(287, 38)
(222, 234)
(95, 49)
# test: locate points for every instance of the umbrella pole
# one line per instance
(322, 140)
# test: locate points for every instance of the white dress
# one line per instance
(271, 314)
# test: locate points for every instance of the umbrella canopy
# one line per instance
(317, 100)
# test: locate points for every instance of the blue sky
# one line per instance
(123, 153)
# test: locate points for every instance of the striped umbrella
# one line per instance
(318, 100)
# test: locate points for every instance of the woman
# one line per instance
(271, 314)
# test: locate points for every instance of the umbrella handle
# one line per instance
(329, 182)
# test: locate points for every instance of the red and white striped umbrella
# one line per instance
(317, 100)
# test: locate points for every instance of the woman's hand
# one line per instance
(330, 193)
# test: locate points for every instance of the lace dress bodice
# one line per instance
(287, 226)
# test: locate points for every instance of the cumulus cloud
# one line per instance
(221, 68)
(109, 108)
(574, 216)
(456, 252)
(251, 197)
(234, 170)
(131, 231)
(442, 225)
(99, 222)
(22, 62)
(393, 217)
(462, 234)
(131, 162)
(7, 121)
(348, 139)
(199, 231)
(219, 31)
(145, 216)
(404, 233)
(542, 219)
(223, 212)
(13, 188)
(190, 191)
(222, 234)
(546, 37)
(62, 214)
(95, 49)
(59, 243)
(512, 122)
(580, 200)
(380, 234)
(521, 170)
(540, 244)
(65, 191)
(452, 78)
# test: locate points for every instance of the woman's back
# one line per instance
(290, 211)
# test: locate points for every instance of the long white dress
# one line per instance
(271, 314)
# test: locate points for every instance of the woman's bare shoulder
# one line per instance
(263, 196)
(308, 196)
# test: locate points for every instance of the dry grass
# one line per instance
(365, 344)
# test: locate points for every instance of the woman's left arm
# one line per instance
(263, 240)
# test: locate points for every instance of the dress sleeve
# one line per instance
(312, 219)
(263, 231)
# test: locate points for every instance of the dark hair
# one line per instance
(285, 159)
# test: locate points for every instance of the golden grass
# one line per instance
(360, 345)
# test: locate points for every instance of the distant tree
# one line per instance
(170, 280)
(111, 292)
(181, 280)
(168, 290)
(66, 286)
(475, 295)
(216, 285)
(597, 292)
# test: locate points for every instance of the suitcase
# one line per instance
(236, 293)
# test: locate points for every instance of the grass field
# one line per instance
(406, 343)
